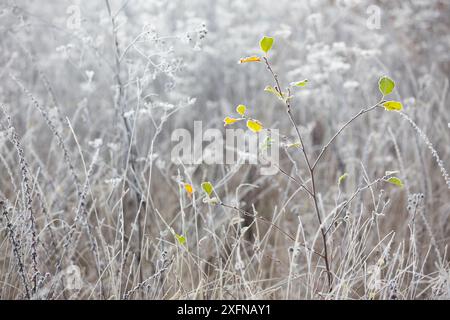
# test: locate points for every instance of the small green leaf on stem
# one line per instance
(300, 83)
(207, 187)
(266, 44)
(396, 181)
(181, 239)
(386, 85)
(273, 91)
(342, 178)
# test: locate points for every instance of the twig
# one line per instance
(310, 169)
(325, 147)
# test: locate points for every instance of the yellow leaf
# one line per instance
(250, 59)
(254, 125)
(188, 188)
(393, 105)
(229, 120)
(241, 109)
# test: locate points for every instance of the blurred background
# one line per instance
(94, 90)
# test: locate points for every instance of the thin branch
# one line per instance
(310, 168)
(325, 147)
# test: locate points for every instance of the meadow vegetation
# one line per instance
(93, 207)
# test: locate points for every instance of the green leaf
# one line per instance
(386, 85)
(282, 96)
(274, 91)
(266, 44)
(241, 109)
(181, 239)
(207, 187)
(393, 105)
(396, 181)
(299, 83)
(342, 178)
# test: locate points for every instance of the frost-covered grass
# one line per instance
(92, 207)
